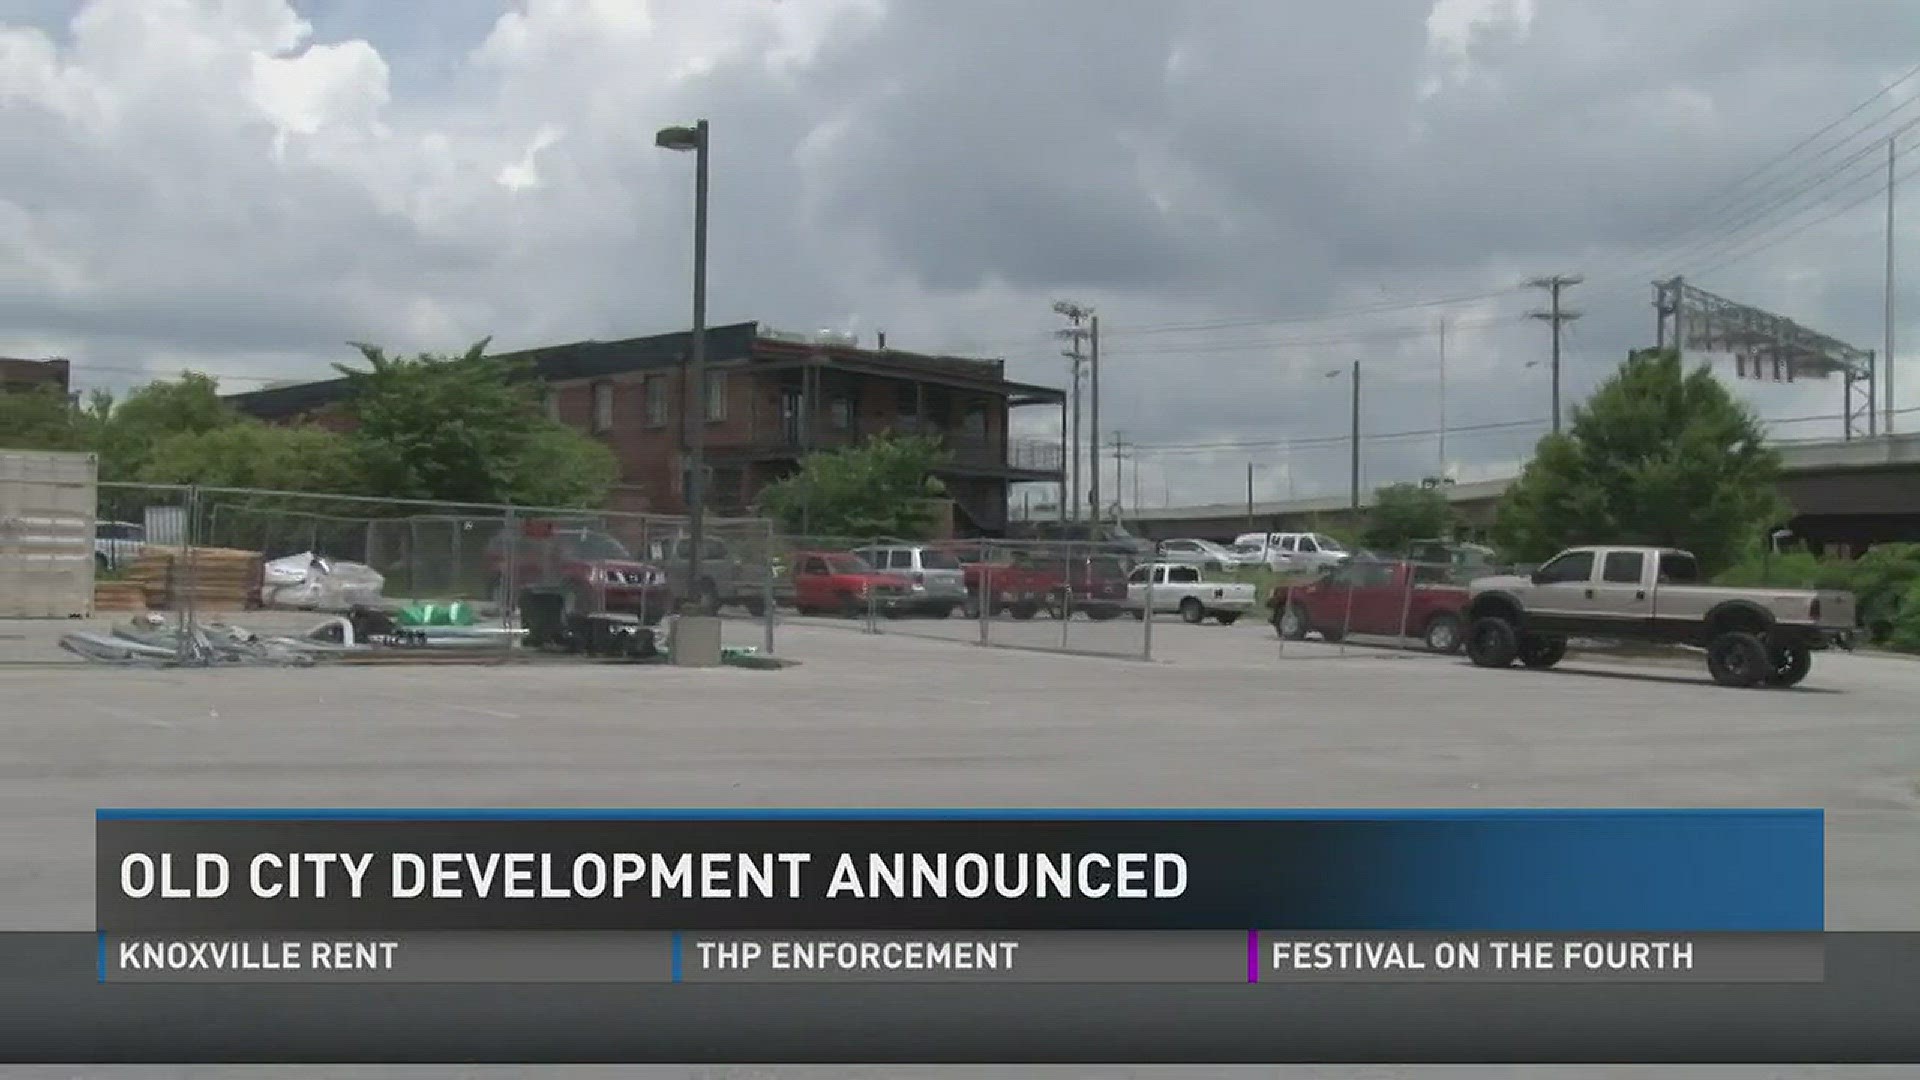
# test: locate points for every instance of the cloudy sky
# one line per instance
(1251, 193)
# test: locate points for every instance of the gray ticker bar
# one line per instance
(1068, 956)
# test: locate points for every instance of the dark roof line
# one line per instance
(593, 359)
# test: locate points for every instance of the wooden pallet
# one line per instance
(213, 578)
(119, 596)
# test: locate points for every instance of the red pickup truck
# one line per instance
(1372, 597)
(844, 584)
(1027, 581)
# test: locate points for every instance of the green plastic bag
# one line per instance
(457, 613)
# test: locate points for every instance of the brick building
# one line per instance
(771, 398)
(33, 374)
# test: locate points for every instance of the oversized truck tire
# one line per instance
(1541, 652)
(1739, 659)
(1492, 642)
(1790, 664)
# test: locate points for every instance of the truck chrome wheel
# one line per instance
(1292, 623)
(1790, 664)
(1443, 634)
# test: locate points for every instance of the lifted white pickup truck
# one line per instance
(1193, 592)
(1753, 637)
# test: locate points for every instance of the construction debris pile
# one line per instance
(363, 636)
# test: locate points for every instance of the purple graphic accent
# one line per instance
(1253, 956)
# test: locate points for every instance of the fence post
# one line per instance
(766, 588)
(509, 574)
(188, 617)
(1406, 604)
(1346, 621)
(983, 592)
(1280, 619)
(873, 599)
(1146, 604)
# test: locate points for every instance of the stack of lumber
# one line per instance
(213, 579)
(119, 596)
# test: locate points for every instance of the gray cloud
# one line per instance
(944, 171)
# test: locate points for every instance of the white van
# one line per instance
(1294, 551)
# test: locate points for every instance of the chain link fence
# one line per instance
(199, 571)
(1052, 596)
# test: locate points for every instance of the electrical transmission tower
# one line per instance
(1766, 346)
(1556, 317)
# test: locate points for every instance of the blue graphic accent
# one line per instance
(907, 814)
(676, 956)
(100, 972)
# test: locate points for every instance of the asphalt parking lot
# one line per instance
(1222, 717)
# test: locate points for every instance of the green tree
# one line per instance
(43, 418)
(1405, 512)
(467, 428)
(881, 488)
(1658, 455)
(252, 454)
(129, 431)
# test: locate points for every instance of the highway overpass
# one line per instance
(1844, 493)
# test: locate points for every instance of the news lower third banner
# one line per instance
(957, 896)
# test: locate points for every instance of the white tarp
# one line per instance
(313, 582)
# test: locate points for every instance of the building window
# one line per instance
(602, 406)
(841, 412)
(973, 423)
(655, 388)
(906, 398)
(716, 396)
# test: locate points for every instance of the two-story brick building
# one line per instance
(771, 398)
(29, 375)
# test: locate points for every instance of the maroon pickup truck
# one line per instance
(1372, 597)
(1027, 581)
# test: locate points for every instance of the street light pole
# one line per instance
(695, 139)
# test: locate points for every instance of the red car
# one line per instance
(595, 570)
(840, 583)
(1371, 597)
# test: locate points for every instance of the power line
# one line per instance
(1698, 228)
(1273, 344)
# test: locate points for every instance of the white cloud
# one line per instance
(1456, 27)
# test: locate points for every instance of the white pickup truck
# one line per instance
(1189, 590)
(1752, 637)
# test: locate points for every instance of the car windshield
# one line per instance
(598, 547)
(1328, 543)
(848, 564)
(938, 560)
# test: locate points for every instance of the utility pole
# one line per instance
(1443, 397)
(1887, 391)
(1119, 475)
(1356, 437)
(1249, 496)
(1093, 437)
(1557, 318)
(1074, 334)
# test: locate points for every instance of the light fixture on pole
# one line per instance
(695, 139)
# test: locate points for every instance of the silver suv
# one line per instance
(939, 583)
